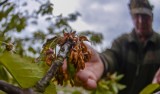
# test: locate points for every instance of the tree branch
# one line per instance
(10, 89)
(44, 82)
(3, 2)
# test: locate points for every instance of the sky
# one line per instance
(110, 17)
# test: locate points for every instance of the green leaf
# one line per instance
(31, 49)
(102, 84)
(9, 10)
(119, 77)
(3, 73)
(71, 69)
(25, 73)
(76, 92)
(51, 43)
(150, 89)
(1, 92)
(96, 38)
(120, 86)
(114, 88)
(51, 89)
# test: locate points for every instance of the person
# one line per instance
(135, 54)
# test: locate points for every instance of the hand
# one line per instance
(156, 78)
(92, 72)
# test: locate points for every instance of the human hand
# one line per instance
(156, 78)
(92, 72)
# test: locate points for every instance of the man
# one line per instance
(136, 55)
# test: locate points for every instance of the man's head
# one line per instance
(141, 12)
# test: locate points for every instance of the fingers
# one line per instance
(90, 84)
(82, 75)
(87, 78)
(157, 77)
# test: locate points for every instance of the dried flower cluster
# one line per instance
(76, 56)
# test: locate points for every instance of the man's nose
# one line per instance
(140, 19)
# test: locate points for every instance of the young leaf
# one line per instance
(25, 73)
(121, 86)
(3, 73)
(150, 89)
(114, 87)
(51, 89)
(119, 77)
(71, 69)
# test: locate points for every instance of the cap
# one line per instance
(140, 6)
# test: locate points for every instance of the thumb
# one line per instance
(90, 84)
(156, 78)
(88, 79)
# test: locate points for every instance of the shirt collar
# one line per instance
(133, 37)
(153, 38)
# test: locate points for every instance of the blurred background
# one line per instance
(109, 17)
(36, 20)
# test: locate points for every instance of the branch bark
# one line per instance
(44, 82)
(10, 89)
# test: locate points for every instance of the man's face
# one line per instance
(143, 24)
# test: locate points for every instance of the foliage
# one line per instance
(25, 73)
(109, 85)
(51, 89)
(22, 70)
(95, 38)
(71, 90)
(151, 88)
(76, 56)
(16, 21)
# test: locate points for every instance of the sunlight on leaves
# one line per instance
(51, 89)
(24, 72)
(150, 89)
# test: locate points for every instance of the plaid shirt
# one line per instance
(138, 62)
